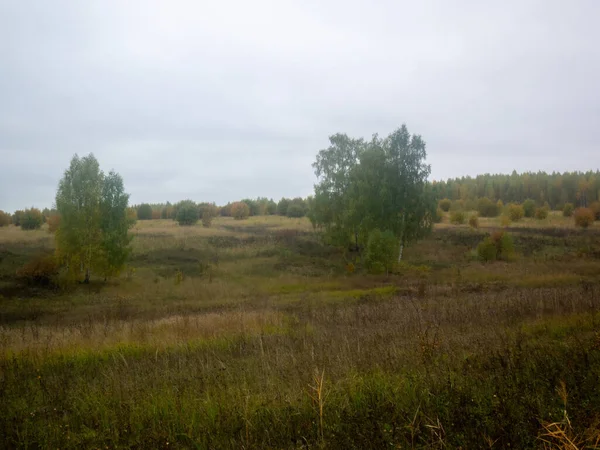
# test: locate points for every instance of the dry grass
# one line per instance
(251, 334)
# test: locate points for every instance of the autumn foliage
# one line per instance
(240, 210)
(584, 217)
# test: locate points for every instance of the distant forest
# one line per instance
(579, 188)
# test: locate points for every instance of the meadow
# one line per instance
(256, 334)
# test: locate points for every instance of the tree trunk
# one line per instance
(400, 252)
(87, 276)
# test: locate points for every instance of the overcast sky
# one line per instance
(219, 100)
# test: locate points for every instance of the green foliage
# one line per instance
(282, 206)
(240, 210)
(144, 212)
(382, 251)
(377, 184)
(568, 209)
(16, 218)
(541, 213)
(529, 208)
(457, 217)
(295, 211)
(445, 204)
(439, 215)
(93, 232)
(115, 239)
(187, 213)
(584, 217)
(487, 208)
(498, 246)
(31, 219)
(515, 212)
(474, 221)
(5, 219)
(500, 206)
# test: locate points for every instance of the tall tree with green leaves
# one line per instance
(93, 232)
(377, 184)
(114, 226)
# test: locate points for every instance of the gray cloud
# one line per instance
(223, 100)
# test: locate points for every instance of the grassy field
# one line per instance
(254, 334)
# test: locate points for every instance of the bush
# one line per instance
(487, 208)
(529, 208)
(568, 210)
(41, 270)
(382, 251)
(584, 217)
(295, 210)
(439, 215)
(144, 212)
(16, 218)
(515, 212)
(5, 219)
(207, 211)
(500, 206)
(445, 204)
(53, 223)
(457, 217)
(282, 206)
(498, 246)
(187, 213)
(31, 219)
(595, 207)
(240, 210)
(474, 221)
(541, 213)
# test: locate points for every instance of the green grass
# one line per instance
(446, 352)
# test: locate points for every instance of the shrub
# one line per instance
(5, 219)
(457, 217)
(42, 269)
(382, 251)
(541, 213)
(515, 212)
(240, 210)
(295, 210)
(568, 209)
(226, 210)
(31, 219)
(584, 217)
(498, 246)
(595, 207)
(505, 220)
(207, 211)
(439, 215)
(144, 212)
(282, 206)
(457, 205)
(529, 208)
(500, 206)
(16, 218)
(474, 221)
(445, 204)
(271, 208)
(487, 208)
(53, 223)
(187, 213)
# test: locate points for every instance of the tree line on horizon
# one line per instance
(554, 189)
